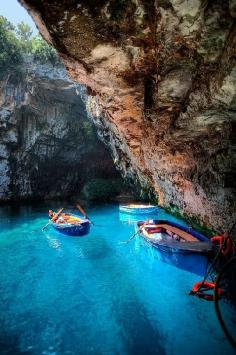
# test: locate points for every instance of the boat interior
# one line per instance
(165, 231)
(67, 218)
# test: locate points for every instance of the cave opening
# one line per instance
(114, 56)
(51, 147)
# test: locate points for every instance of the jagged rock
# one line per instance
(49, 148)
(160, 82)
(174, 88)
(226, 97)
(232, 8)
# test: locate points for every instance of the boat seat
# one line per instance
(184, 235)
(188, 237)
(152, 230)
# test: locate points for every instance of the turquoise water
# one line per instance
(64, 295)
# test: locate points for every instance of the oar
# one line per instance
(132, 237)
(53, 218)
(84, 213)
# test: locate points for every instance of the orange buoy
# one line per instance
(225, 243)
(199, 289)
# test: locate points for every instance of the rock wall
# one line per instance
(161, 83)
(48, 146)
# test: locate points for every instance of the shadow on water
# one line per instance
(10, 344)
(195, 264)
(85, 247)
(116, 295)
(141, 337)
(137, 330)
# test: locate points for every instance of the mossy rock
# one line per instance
(194, 222)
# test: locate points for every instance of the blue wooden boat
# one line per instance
(171, 237)
(138, 209)
(177, 245)
(77, 229)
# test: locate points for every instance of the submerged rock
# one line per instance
(160, 79)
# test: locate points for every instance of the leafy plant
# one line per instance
(16, 42)
(24, 34)
(42, 52)
(10, 46)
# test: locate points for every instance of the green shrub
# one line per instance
(24, 34)
(42, 52)
(16, 42)
(10, 46)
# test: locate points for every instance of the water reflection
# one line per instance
(53, 242)
(132, 219)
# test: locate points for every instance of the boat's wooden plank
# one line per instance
(186, 236)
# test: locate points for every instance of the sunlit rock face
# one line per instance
(49, 147)
(161, 83)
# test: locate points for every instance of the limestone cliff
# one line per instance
(161, 77)
(48, 146)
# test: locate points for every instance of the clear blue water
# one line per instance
(64, 295)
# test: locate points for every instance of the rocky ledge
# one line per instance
(161, 78)
(49, 148)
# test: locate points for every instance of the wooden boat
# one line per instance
(72, 226)
(177, 245)
(172, 237)
(138, 208)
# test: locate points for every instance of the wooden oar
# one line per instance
(132, 237)
(54, 218)
(84, 213)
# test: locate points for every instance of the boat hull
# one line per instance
(181, 248)
(190, 262)
(138, 210)
(190, 255)
(73, 230)
(202, 245)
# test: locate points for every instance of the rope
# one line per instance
(212, 264)
(210, 268)
(216, 301)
